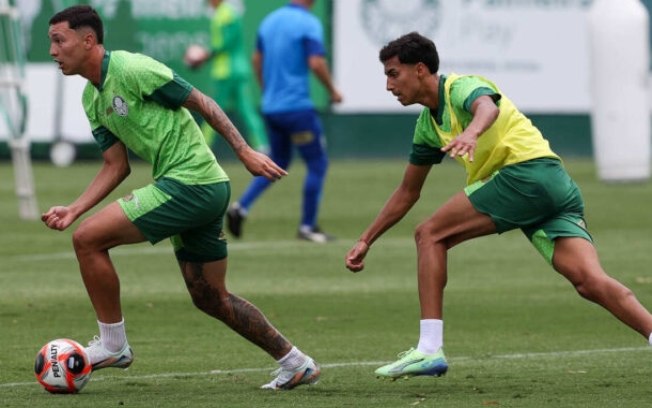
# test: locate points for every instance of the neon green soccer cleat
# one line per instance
(412, 363)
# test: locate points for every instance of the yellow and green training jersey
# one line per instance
(511, 139)
(230, 59)
(139, 102)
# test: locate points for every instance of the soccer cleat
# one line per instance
(314, 234)
(234, 218)
(412, 363)
(308, 373)
(103, 358)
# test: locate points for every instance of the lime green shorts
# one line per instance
(190, 215)
(537, 196)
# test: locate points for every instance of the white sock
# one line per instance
(113, 335)
(292, 360)
(431, 337)
(649, 339)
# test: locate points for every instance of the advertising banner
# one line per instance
(535, 50)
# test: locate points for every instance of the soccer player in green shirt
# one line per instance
(134, 102)
(514, 180)
(231, 73)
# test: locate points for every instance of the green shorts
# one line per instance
(190, 215)
(537, 196)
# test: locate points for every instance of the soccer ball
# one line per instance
(62, 366)
(195, 55)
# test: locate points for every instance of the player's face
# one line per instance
(402, 81)
(68, 47)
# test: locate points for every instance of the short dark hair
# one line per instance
(81, 16)
(410, 49)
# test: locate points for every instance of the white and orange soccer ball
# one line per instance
(62, 366)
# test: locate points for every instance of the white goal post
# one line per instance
(13, 106)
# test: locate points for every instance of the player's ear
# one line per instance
(89, 38)
(420, 69)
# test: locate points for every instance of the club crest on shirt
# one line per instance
(120, 106)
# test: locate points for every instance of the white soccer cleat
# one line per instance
(314, 234)
(100, 357)
(308, 373)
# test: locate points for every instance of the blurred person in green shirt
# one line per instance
(230, 71)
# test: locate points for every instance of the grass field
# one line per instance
(517, 335)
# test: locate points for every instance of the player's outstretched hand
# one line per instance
(355, 257)
(464, 143)
(58, 218)
(260, 164)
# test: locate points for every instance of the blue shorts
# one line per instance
(300, 129)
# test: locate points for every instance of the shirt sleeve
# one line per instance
(104, 138)
(426, 144)
(172, 94)
(259, 43)
(313, 39)
(465, 90)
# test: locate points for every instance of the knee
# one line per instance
(82, 238)
(426, 235)
(206, 302)
(210, 302)
(199, 302)
(596, 288)
(318, 166)
(586, 289)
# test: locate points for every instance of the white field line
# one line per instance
(461, 360)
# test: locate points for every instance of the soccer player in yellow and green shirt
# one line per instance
(231, 73)
(514, 180)
(136, 103)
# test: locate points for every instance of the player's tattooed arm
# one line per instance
(215, 116)
(256, 163)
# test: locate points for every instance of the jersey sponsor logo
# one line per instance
(386, 20)
(120, 106)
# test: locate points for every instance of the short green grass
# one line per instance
(517, 335)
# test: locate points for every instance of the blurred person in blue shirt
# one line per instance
(289, 46)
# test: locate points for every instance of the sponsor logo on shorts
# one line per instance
(302, 138)
(131, 197)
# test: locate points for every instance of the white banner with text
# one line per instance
(536, 51)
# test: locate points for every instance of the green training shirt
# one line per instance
(139, 102)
